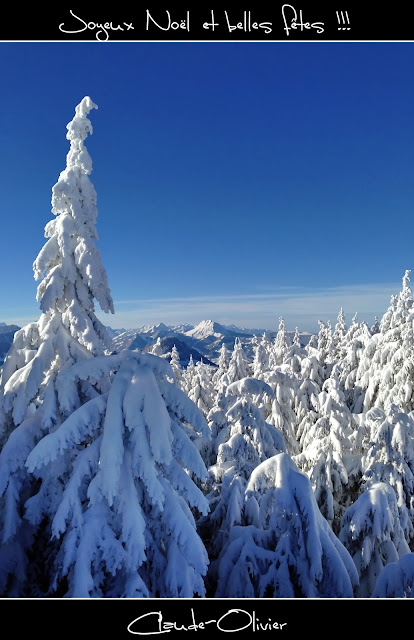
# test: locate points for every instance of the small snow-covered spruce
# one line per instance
(188, 376)
(280, 347)
(202, 392)
(372, 533)
(389, 457)
(396, 580)
(295, 354)
(156, 348)
(281, 414)
(176, 366)
(326, 456)
(288, 550)
(312, 346)
(375, 327)
(68, 331)
(123, 513)
(337, 346)
(308, 388)
(353, 349)
(325, 346)
(261, 358)
(306, 408)
(238, 366)
(223, 365)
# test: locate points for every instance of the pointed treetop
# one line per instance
(296, 339)
(406, 279)
(70, 263)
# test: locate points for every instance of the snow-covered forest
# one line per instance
(289, 474)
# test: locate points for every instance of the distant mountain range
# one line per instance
(202, 341)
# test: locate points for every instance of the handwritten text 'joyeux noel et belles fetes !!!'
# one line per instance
(168, 21)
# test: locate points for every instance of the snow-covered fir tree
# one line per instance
(176, 366)
(338, 336)
(325, 346)
(288, 550)
(326, 456)
(353, 348)
(389, 457)
(280, 347)
(396, 580)
(295, 354)
(306, 407)
(386, 370)
(238, 366)
(116, 483)
(312, 346)
(202, 392)
(223, 367)
(372, 533)
(245, 441)
(156, 348)
(375, 327)
(261, 358)
(188, 376)
(281, 414)
(68, 331)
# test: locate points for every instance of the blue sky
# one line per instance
(236, 181)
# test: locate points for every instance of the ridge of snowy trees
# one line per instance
(123, 475)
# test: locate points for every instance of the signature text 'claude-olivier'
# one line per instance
(232, 621)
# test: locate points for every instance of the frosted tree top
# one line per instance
(70, 257)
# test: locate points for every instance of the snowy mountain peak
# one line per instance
(153, 328)
(207, 328)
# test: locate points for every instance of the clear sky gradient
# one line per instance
(236, 181)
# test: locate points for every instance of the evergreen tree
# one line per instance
(375, 327)
(288, 550)
(67, 332)
(338, 337)
(326, 456)
(116, 483)
(188, 376)
(282, 415)
(389, 457)
(223, 366)
(245, 442)
(156, 348)
(281, 346)
(325, 346)
(353, 347)
(396, 580)
(372, 534)
(202, 392)
(386, 371)
(261, 358)
(312, 346)
(295, 354)
(176, 366)
(238, 365)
